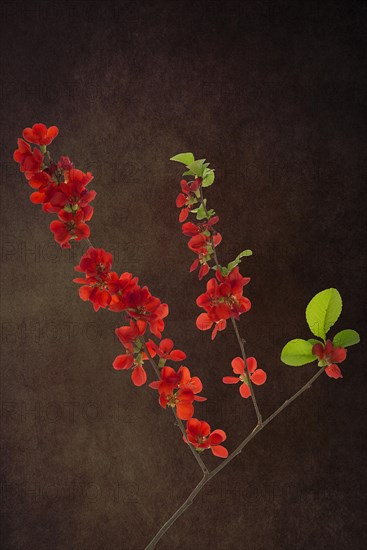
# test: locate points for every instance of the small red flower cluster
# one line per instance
(178, 389)
(203, 237)
(222, 300)
(257, 376)
(329, 355)
(60, 188)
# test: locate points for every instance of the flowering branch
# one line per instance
(240, 340)
(61, 189)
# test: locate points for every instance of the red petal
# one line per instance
(259, 377)
(180, 201)
(318, 350)
(194, 265)
(166, 345)
(333, 371)
(85, 292)
(216, 437)
(203, 322)
(183, 214)
(238, 365)
(123, 362)
(195, 384)
(139, 376)
(203, 271)
(245, 390)
(338, 355)
(220, 451)
(177, 355)
(230, 380)
(251, 364)
(184, 410)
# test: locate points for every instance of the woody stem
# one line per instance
(178, 420)
(208, 476)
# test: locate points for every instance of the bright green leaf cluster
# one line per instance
(321, 314)
(197, 168)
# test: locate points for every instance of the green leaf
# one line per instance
(323, 311)
(201, 212)
(196, 167)
(237, 260)
(185, 158)
(208, 177)
(297, 352)
(345, 338)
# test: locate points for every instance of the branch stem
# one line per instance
(208, 476)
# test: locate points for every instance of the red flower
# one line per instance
(40, 134)
(96, 262)
(329, 355)
(222, 300)
(71, 227)
(165, 350)
(205, 321)
(187, 198)
(95, 291)
(127, 361)
(128, 334)
(258, 376)
(199, 435)
(142, 305)
(178, 389)
(190, 229)
(30, 161)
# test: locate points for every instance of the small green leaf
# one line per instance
(201, 212)
(346, 338)
(244, 253)
(208, 177)
(196, 167)
(237, 260)
(323, 311)
(184, 158)
(297, 352)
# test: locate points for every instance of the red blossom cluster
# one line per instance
(222, 300)
(59, 187)
(178, 389)
(105, 289)
(203, 237)
(328, 355)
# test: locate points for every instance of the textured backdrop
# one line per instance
(273, 94)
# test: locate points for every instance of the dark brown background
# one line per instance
(273, 94)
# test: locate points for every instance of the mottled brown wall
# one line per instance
(273, 94)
